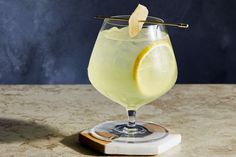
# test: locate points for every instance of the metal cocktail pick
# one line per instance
(179, 25)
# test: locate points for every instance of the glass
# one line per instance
(132, 72)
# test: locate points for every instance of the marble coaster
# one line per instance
(117, 148)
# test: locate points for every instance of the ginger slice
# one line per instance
(140, 13)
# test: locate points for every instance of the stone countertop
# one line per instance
(43, 120)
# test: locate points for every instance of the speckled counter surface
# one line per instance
(42, 121)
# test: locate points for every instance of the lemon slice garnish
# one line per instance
(154, 69)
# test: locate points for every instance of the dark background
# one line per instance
(50, 41)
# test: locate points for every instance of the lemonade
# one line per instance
(132, 71)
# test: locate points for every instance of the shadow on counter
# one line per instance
(12, 130)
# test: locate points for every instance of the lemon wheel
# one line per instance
(154, 69)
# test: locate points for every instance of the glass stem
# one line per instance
(132, 117)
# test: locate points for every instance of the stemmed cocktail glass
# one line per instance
(132, 72)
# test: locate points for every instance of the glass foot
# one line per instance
(119, 131)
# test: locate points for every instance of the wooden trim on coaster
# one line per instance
(88, 140)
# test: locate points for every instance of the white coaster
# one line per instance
(149, 148)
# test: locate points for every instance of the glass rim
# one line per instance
(120, 23)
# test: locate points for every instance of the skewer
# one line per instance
(179, 25)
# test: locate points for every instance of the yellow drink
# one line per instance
(132, 71)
